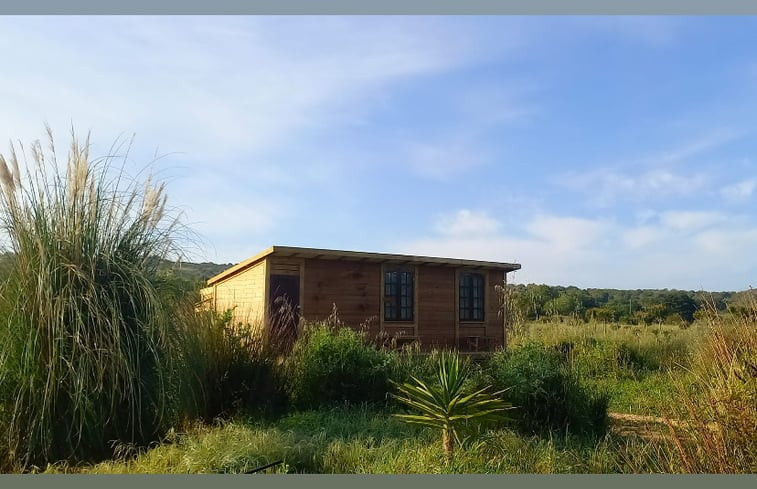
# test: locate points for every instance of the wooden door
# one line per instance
(285, 304)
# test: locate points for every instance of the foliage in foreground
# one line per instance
(446, 405)
(716, 416)
(361, 440)
(85, 343)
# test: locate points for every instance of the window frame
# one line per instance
(395, 299)
(470, 297)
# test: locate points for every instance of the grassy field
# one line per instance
(362, 440)
(641, 372)
(637, 368)
(636, 365)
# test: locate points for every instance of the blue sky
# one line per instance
(595, 151)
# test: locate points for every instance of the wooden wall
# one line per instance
(356, 290)
(245, 290)
(436, 308)
(354, 287)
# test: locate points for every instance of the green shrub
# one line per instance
(330, 365)
(544, 392)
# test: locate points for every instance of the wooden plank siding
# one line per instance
(357, 290)
(245, 292)
(356, 286)
(436, 306)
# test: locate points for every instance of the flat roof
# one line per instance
(361, 256)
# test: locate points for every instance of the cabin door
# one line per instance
(285, 304)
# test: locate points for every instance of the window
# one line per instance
(471, 297)
(398, 296)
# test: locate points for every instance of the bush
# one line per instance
(335, 365)
(225, 368)
(545, 394)
(88, 344)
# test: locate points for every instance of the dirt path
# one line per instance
(646, 427)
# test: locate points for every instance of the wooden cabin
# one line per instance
(442, 302)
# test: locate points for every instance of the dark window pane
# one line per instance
(471, 292)
(398, 296)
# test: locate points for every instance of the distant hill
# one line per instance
(195, 272)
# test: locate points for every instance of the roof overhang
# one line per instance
(361, 256)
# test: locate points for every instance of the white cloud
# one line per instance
(465, 222)
(675, 249)
(641, 236)
(739, 192)
(652, 177)
(210, 87)
(567, 233)
(690, 220)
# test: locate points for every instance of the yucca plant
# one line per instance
(87, 346)
(447, 405)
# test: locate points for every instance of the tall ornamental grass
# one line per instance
(85, 335)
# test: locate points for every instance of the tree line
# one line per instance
(534, 302)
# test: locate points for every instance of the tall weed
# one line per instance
(717, 418)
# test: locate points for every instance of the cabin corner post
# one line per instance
(301, 305)
(382, 271)
(504, 310)
(416, 305)
(266, 292)
(456, 286)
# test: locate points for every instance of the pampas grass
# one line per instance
(87, 343)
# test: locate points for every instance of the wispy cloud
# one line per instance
(444, 160)
(608, 186)
(656, 176)
(739, 192)
(231, 83)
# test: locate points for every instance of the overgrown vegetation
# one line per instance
(331, 365)
(101, 341)
(548, 396)
(716, 411)
(358, 439)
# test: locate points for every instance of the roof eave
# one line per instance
(317, 253)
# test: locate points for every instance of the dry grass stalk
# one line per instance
(719, 417)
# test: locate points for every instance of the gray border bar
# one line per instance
(220, 7)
